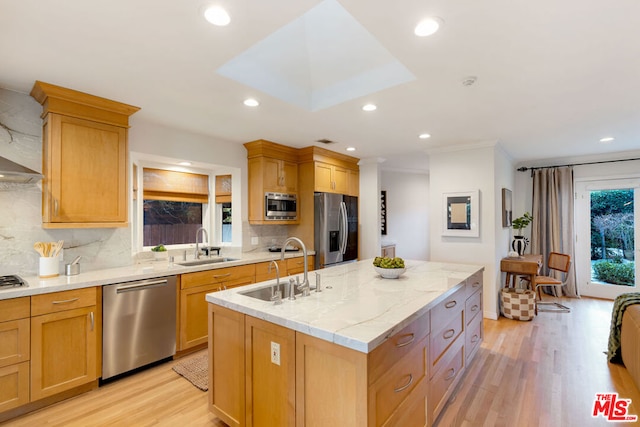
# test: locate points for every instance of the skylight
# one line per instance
(321, 59)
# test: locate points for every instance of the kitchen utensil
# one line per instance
(75, 261)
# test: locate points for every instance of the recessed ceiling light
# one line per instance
(369, 107)
(217, 16)
(250, 102)
(351, 148)
(428, 26)
(185, 163)
(607, 139)
(424, 136)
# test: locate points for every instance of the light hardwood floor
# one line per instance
(540, 373)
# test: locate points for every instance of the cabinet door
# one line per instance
(340, 180)
(323, 177)
(63, 351)
(270, 378)
(271, 174)
(226, 365)
(14, 386)
(193, 315)
(289, 173)
(14, 342)
(85, 172)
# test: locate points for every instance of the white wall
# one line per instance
(407, 213)
(369, 208)
(467, 170)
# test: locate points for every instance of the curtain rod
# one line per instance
(524, 168)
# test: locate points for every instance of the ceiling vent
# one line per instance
(325, 141)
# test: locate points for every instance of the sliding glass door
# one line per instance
(606, 229)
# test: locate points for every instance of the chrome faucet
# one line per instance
(305, 281)
(206, 235)
(276, 295)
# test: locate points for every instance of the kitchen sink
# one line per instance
(264, 293)
(205, 261)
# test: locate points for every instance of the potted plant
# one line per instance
(159, 251)
(520, 242)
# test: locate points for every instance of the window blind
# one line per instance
(160, 184)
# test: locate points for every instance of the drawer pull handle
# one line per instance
(92, 320)
(411, 336)
(451, 304)
(474, 307)
(475, 284)
(448, 333)
(451, 375)
(66, 301)
(474, 339)
(404, 387)
(221, 275)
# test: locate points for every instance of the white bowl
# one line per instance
(390, 273)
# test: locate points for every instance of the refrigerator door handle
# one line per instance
(343, 227)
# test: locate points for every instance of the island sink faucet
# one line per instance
(206, 236)
(304, 287)
(276, 295)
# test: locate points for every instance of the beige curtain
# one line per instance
(552, 226)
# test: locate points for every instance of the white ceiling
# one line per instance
(552, 77)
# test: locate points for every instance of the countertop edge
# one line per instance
(130, 273)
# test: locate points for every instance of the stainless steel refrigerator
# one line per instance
(336, 229)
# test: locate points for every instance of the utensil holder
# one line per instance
(71, 269)
(48, 267)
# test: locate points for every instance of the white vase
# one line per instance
(519, 244)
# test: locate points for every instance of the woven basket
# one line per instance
(518, 304)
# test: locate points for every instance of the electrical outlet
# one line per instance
(255, 241)
(275, 353)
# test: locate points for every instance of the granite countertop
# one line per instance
(356, 308)
(145, 270)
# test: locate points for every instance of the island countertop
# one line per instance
(357, 308)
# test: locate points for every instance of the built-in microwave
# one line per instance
(280, 206)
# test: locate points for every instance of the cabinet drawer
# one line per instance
(442, 313)
(395, 347)
(61, 301)
(448, 370)
(397, 384)
(473, 337)
(413, 411)
(14, 386)
(217, 275)
(442, 339)
(14, 341)
(474, 283)
(15, 308)
(472, 307)
(296, 266)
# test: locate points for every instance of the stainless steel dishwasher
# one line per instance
(139, 324)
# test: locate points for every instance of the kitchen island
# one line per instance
(364, 351)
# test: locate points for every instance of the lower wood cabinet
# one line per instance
(270, 362)
(14, 352)
(193, 305)
(63, 341)
(316, 383)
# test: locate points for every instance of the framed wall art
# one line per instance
(506, 208)
(383, 212)
(461, 211)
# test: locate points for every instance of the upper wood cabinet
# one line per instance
(84, 158)
(272, 168)
(332, 172)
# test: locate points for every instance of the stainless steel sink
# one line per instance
(264, 293)
(205, 261)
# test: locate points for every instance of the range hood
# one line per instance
(13, 172)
